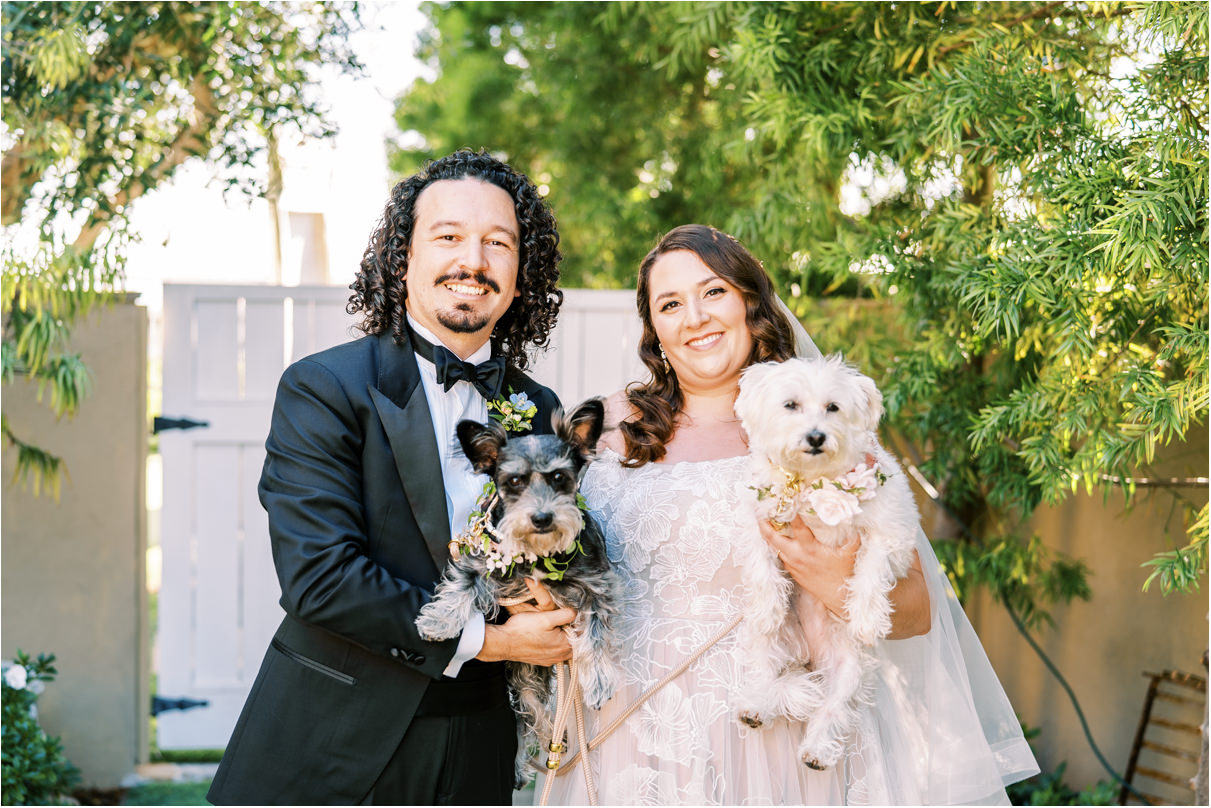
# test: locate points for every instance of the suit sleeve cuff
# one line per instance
(470, 643)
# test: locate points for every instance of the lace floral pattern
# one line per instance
(670, 531)
(939, 730)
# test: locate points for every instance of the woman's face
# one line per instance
(700, 320)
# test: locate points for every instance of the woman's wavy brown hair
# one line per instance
(380, 291)
(658, 403)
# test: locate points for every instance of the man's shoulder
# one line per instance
(350, 366)
(517, 381)
(357, 356)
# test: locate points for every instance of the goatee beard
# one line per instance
(462, 320)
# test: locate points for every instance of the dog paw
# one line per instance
(600, 701)
(813, 764)
(437, 635)
(751, 719)
(599, 687)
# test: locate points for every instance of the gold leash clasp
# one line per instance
(556, 751)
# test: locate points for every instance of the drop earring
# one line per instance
(664, 359)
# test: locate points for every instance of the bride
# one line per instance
(670, 488)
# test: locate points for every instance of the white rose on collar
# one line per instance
(832, 505)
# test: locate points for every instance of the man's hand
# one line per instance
(532, 634)
(540, 599)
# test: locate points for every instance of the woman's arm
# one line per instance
(824, 571)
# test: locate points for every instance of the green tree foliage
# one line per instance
(103, 102)
(997, 209)
(576, 94)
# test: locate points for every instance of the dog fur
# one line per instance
(537, 479)
(817, 418)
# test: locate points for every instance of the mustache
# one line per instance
(480, 278)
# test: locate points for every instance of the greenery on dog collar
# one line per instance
(513, 413)
(480, 538)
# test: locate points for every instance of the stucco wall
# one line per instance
(74, 571)
(1103, 646)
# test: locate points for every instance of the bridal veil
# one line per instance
(941, 731)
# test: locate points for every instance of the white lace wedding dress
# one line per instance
(670, 529)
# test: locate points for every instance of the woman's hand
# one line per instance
(825, 571)
(822, 571)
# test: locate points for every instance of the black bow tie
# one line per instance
(487, 377)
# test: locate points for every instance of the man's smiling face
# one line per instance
(463, 261)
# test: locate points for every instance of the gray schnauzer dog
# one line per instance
(534, 526)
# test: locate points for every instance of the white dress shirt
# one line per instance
(462, 483)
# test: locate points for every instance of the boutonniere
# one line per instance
(513, 413)
(832, 500)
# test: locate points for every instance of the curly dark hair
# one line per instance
(380, 291)
(658, 403)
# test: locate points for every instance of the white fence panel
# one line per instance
(225, 349)
(593, 351)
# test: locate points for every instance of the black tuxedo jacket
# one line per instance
(353, 487)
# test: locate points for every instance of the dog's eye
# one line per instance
(832, 407)
(791, 405)
(516, 482)
(562, 480)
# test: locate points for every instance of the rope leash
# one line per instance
(567, 695)
(561, 709)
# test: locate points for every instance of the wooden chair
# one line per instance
(1168, 740)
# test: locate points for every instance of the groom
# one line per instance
(364, 485)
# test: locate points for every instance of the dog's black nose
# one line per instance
(815, 438)
(542, 519)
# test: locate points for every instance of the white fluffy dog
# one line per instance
(811, 429)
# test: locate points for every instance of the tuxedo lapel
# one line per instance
(404, 412)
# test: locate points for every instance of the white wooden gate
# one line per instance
(225, 348)
(594, 349)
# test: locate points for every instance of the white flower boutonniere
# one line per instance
(513, 413)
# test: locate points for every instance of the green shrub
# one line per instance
(35, 771)
(168, 794)
(1049, 788)
(186, 755)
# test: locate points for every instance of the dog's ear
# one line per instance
(481, 443)
(582, 428)
(873, 404)
(751, 381)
